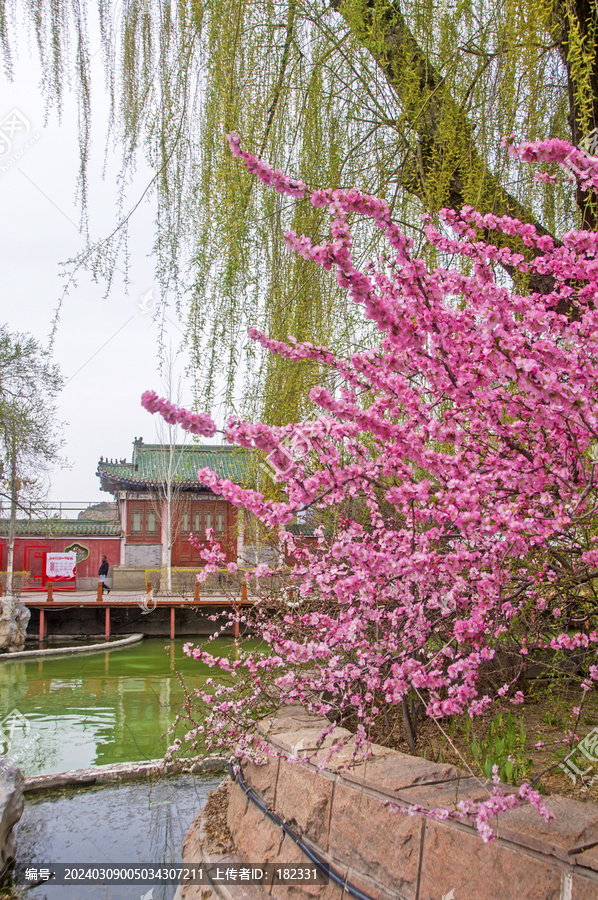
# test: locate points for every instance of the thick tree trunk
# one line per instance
(580, 16)
(425, 104)
(169, 532)
(12, 525)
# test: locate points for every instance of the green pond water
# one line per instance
(68, 712)
(142, 822)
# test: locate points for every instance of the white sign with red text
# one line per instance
(60, 566)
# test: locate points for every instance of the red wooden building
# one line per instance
(136, 538)
(141, 489)
(89, 539)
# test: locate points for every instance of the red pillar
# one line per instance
(196, 592)
(50, 592)
(100, 592)
(107, 623)
(42, 624)
(172, 623)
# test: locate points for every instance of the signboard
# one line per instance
(61, 569)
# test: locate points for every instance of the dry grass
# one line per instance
(546, 717)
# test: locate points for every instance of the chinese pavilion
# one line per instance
(134, 537)
(141, 487)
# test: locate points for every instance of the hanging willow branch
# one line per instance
(404, 99)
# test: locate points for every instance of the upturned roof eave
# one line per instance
(121, 483)
(43, 528)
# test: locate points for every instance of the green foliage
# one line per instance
(554, 717)
(184, 580)
(502, 746)
(17, 580)
(29, 383)
(29, 443)
(406, 100)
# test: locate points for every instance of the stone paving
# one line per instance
(355, 815)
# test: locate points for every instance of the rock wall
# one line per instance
(342, 812)
(14, 618)
(11, 809)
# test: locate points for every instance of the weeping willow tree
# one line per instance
(408, 100)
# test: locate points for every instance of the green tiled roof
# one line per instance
(149, 465)
(62, 527)
(301, 528)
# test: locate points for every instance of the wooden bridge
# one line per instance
(51, 598)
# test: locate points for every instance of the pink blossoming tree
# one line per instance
(468, 438)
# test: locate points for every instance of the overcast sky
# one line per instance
(106, 348)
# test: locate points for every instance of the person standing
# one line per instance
(102, 574)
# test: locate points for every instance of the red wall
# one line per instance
(98, 546)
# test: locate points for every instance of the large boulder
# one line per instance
(12, 801)
(14, 618)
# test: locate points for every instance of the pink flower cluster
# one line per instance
(482, 813)
(196, 423)
(272, 177)
(466, 441)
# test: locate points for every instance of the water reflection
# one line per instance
(133, 823)
(68, 712)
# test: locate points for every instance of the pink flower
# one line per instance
(449, 470)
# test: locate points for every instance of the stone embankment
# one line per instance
(343, 813)
(121, 772)
(102, 647)
(11, 809)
